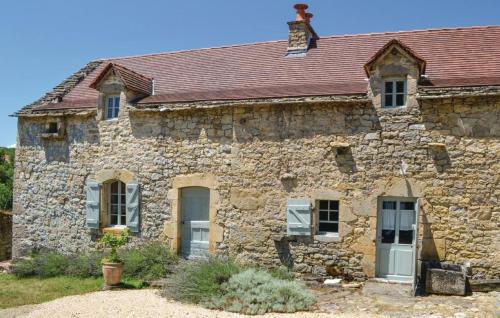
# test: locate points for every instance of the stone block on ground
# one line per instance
(445, 282)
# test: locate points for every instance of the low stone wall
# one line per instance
(5, 236)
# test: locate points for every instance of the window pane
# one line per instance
(117, 102)
(334, 216)
(389, 205)
(323, 205)
(388, 87)
(388, 236)
(388, 100)
(114, 199)
(114, 188)
(329, 227)
(114, 209)
(400, 99)
(122, 186)
(113, 220)
(323, 215)
(123, 209)
(334, 205)
(407, 205)
(110, 102)
(405, 237)
(123, 220)
(400, 87)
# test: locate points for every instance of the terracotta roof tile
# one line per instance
(454, 57)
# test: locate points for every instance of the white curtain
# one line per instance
(389, 220)
(407, 220)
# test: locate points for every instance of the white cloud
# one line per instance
(12, 146)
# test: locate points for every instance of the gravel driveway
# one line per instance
(373, 300)
(128, 303)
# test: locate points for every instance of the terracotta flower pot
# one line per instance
(112, 273)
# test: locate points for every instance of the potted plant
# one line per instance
(112, 266)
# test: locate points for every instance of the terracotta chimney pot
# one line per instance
(301, 11)
(309, 17)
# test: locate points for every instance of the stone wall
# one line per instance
(5, 236)
(263, 155)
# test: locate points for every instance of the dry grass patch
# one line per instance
(25, 291)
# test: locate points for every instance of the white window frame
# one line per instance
(121, 191)
(324, 233)
(393, 80)
(114, 108)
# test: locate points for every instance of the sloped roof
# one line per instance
(130, 79)
(454, 57)
(395, 42)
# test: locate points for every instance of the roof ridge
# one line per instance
(276, 41)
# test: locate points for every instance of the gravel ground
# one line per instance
(372, 300)
(129, 303)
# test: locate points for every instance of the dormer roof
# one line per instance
(387, 48)
(130, 79)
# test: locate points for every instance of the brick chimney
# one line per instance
(301, 35)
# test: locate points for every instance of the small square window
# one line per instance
(328, 216)
(394, 94)
(53, 128)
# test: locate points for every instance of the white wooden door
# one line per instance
(396, 238)
(195, 223)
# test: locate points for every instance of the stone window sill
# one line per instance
(327, 238)
(52, 136)
(113, 230)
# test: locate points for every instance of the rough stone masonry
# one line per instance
(262, 155)
(441, 147)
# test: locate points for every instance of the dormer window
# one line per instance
(394, 94)
(112, 106)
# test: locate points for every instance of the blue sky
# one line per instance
(45, 41)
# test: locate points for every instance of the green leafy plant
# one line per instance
(255, 291)
(51, 264)
(85, 265)
(47, 264)
(24, 267)
(113, 242)
(198, 281)
(6, 177)
(149, 261)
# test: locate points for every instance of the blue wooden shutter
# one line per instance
(133, 207)
(93, 204)
(298, 217)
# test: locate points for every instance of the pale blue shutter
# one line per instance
(92, 204)
(298, 217)
(133, 207)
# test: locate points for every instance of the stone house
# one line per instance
(356, 155)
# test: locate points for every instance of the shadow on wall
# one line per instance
(262, 123)
(5, 236)
(284, 253)
(431, 249)
(452, 118)
(56, 151)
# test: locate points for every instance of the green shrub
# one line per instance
(152, 260)
(255, 291)
(23, 267)
(85, 265)
(199, 281)
(50, 264)
(282, 272)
